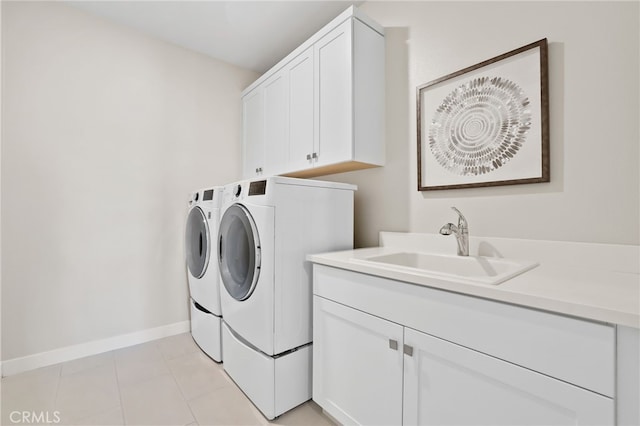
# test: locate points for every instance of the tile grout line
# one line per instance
(184, 397)
(84, 371)
(115, 365)
(141, 381)
(55, 396)
(106, 410)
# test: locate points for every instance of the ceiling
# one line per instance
(253, 35)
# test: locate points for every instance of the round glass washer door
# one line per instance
(239, 252)
(197, 242)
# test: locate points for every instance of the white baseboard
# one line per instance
(68, 353)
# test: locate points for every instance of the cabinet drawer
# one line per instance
(576, 351)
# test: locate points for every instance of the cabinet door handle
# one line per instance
(308, 156)
(408, 350)
(393, 344)
(314, 155)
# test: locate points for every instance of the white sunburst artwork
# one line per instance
(486, 125)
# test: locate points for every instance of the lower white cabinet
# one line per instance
(371, 368)
(448, 384)
(357, 365)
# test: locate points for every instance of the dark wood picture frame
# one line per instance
(539, 125)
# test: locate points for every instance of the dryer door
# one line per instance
(197, 242)
(239, 252)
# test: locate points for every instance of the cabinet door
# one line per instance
(357, 365)
(334, 92)
(252, 133)
(276, 123)
(447, 384)
(301, 113)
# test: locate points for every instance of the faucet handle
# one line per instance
(448, 229)
(462, 221)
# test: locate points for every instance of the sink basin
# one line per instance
(479, 269)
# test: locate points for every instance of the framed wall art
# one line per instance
(486, 125)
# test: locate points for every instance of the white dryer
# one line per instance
(267, 228)
(201, 252)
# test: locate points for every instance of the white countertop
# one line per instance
(594, 293)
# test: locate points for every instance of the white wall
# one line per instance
(594, 50)
(105, 133)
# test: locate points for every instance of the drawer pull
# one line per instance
(408, 350)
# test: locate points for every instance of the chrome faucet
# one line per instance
(461, 232)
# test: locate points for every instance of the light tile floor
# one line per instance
(164, 382)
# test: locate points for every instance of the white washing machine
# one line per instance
(201, 252)
(267, 228)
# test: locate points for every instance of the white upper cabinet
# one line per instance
(323, 105)
(335, 97)
(253, 133)
(276, 121)
(301, 112)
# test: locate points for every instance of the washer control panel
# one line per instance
(258, 187)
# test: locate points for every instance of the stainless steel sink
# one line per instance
(488, 270)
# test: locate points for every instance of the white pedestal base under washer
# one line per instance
(205, 329)
(274, 384)
(267, 228)
(201, 251)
